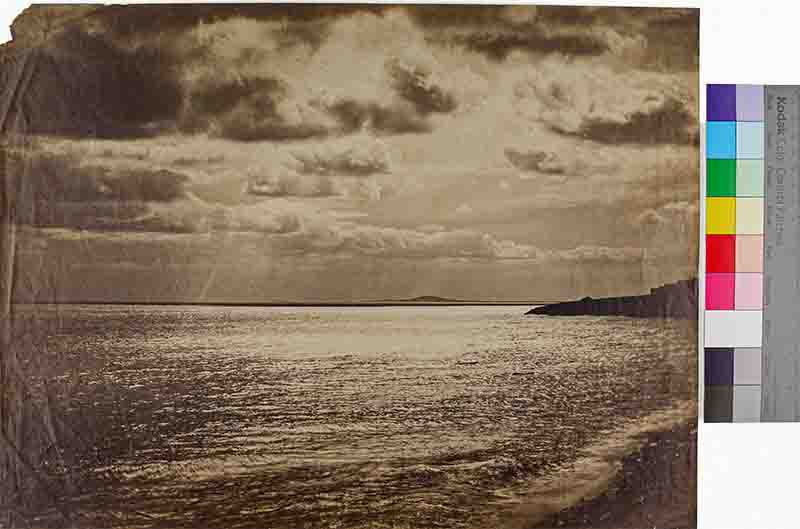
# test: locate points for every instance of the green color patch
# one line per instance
(750, 178)
(721, 178)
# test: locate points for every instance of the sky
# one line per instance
(350, 153)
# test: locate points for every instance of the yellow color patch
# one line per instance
(721, 216)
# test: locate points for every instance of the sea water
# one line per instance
(395, 417)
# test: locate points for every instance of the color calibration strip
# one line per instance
(752, 269)
(734, 271)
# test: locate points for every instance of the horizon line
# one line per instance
(379, 303)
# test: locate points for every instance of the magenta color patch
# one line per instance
(720, 291)
(749, 291)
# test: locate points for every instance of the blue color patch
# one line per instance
(721, 102)
(721, 139)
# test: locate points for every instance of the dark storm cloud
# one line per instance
(59, 192)
(225, 96)
(673, 41)
(84, 85)
(133, 21)
(101, 216)
(244, 125)
(101, 76)
(606, 106)
(669, 36)
(414, 84)
(498, 46)
(52, 177)
(248, 109)
(97, 79)
(496, 31)
(255, 118)
(353, 115)
(667, 123)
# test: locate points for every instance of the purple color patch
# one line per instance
(721, 102)
(719, 366)
(749, 102)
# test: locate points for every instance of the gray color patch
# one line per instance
(781, 358)
(746, 403)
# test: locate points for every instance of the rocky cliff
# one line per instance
(676, 300)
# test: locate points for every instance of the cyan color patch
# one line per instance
(721, 139)
(749, 140)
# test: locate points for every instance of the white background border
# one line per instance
(747, 471)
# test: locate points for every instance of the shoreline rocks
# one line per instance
(676, 300)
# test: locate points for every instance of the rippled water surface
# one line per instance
(347, 417)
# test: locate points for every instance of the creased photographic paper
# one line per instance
(349, 266)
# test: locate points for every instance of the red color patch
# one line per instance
(720, 253)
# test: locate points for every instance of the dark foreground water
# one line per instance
(404, 417)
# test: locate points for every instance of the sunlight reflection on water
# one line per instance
(355, 417)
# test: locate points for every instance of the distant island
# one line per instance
(429, 299)
(676, 300)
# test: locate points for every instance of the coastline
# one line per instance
(676, 300)
(642, 476)
(652, 488)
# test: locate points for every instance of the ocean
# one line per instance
(356, 417)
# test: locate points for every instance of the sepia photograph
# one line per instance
(349, 266)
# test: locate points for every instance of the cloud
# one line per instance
(60, 191)
(323, 170)
(499, 46)
(599, 104)
(386, 242)
(201, 217)
(396, 118)
(673, 38)
(92, 200)
(281, 181)
(85, 85)
(57, 178)
(664, 121)
(132, 207)
(415, 84)
(357, 157)
(243, 78)
(539, 161)
(244, 83)
(587, 254)
(186, 216)
(248, 109)
(284, 73)
(497, 32)
(561, 161)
